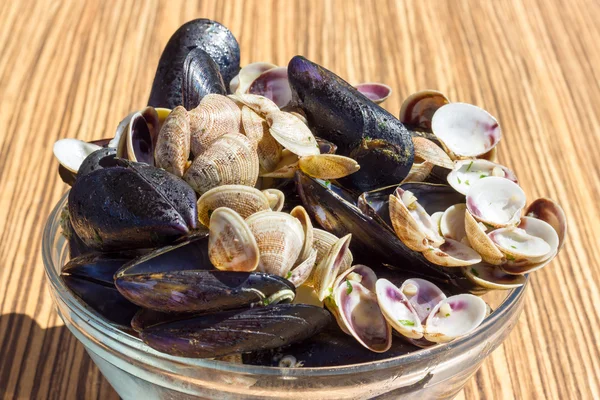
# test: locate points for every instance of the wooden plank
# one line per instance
(74, 69)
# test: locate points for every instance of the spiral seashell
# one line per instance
(230, 160)
(173, 144)
(216, 116)
(280, 238)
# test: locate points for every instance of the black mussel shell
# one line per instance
(90, 277)
(330, 348)
(210, 36)
(199, 290)
(103, 158)
(239, 331)
(201, 76)
(372, 241)
(66, 176)
(337, 112)
(131, 206)
(145, 318)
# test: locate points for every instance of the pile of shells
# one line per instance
(194, 226)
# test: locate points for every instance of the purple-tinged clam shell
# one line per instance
(454, 317)
(398, 311)
(551, 212)
(274, 85)
(418, 109)
(422, 295)
(239, 331)
(376, 92)
(492, 277)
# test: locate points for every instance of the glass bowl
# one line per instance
(138, 372)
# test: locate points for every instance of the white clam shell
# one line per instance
(422, 295)
(300, 274)
(231, 244)
(247, 75)
(496, 201)
(259, 104)
(467, 172)
(292, 133)
(540, 229)
(518, 244)
(467, 313)
(411, 222)
(368, 278)
(452, 223)
(452, 254)
(300, 213)
(328, 268)
(275, 198)
(70, 153)
(466, 130)
(436, 217)
(492, 277)
(360, 312)
(397, 310)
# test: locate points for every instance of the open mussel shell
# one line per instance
(102, 158)
(242, 81)
(231, 244)
(362, 316)
(418, 108)
(336, 111)
(70, 153)
(142, 207)
(422, 295)
(329, 348)
(172, 148)
(230, 160)
(90, 277)
(455, 316)
(549, 211)
(238, 331)
(244, 200)
(496, 201)
(397, 310)
(371, 239)
(492, 277)
(210, 36)
(201, 76)
(466, 130)
(465, 173)
(376, 92)
(274, 85)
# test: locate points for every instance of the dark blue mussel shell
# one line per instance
(211, 37)
(131, 206)
(361, 129)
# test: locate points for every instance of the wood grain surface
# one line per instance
(75, 68)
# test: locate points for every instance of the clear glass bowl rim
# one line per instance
(494, 322)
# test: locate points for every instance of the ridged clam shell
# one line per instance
(419, 172)
(259, 104)
(172, 148)
(300, 274)
(280, 238)
(492, 277)
(328, 166)
(286, 168)
(452, 254)
(230, 160)
(426, 150)
(275, 197)
(257, 130)
(328, 268)
(231, 244)
(323, 241)
(300, 213)
(481, 243)
(418, 108)
(244, 200)
(216, 116)
(292, 133)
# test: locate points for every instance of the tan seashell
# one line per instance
(322, 242)
(292, 133)
(452, 254)
(242, 81)
(172, 148)
(300, 117)
(286, 168)
(259, 104)
(300, 274)
(419, 172)
(216, 116)
(230, 160)
(279, 237)
(328, 166)
(328, 268)
(275, 197)
(300, 213)
(426, 150)
(231, 245)
(257, 130)
(481, 243)
(244, 200)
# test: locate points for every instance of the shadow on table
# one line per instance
(38, 363)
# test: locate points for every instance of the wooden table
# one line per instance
(74, 69)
